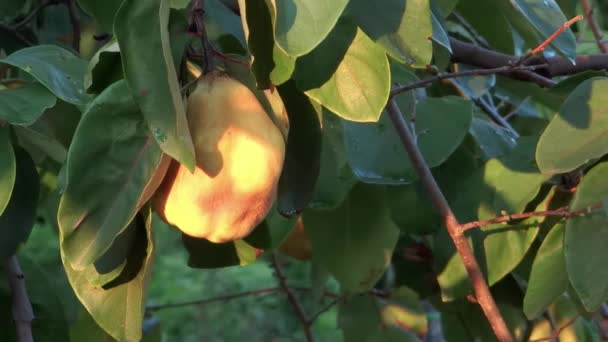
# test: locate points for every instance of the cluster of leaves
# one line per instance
(83, 136)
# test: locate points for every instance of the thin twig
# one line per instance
(480, 287)
(232, 296)
(597, 32)
(214, 299)
(23, 314)
(476, 72)
(563, 212)
(291, 298)
(198, 11)
(324, 309)
(495, 116)
(558, 332)
(542, 46)
(73, 11)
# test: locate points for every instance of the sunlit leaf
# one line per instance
(142, 35)
(115, 166)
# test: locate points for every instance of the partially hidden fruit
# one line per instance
(297, 245)
(239, 157)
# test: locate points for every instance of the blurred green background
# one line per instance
(266, 317)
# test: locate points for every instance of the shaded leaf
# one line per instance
(24, 105)
(19, 216)
(493, 140)
(548, 279)
(104, 68)
(56, 68)
(583, 118)
(338, 237)
(8, 168)
(302, 154)
(493, 25)
(335, 175)
(369, 318)
(269, 234)
(102, 12)
(142, 35)
(300, 25)
(402, 28)
(260, 40)
(118, 307)
(586, 238)
(204, 254)
(115, 166)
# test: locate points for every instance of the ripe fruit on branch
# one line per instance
(239, 157)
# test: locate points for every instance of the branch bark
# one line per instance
(480, 287)
(23, 314)
(471, 54)
(597, 32)
(291, 298)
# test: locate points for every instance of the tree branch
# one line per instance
(471, 54)
(291, 298)
(23, 314)
(480, 287)
(563, 212)
(597, 32)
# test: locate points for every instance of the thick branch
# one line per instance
(480, 287)
(597, 32)
(23, 314)
(471, 54)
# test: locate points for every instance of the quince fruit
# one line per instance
(239, 158)
(297, 244)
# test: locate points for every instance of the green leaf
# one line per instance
(548, 279)
(8, 168)
(412, 210)
(336, 178)
(284, 66)
(441, 125)
(104, 68)
(354, 241)
(56, 68)
(300, 25)
(19, 216)
(402, 28)
(118, 306)
(221, 23)
(505, 185)
(375, 151)
(583, 118)
(546, 17)
(102, 12)
(303, 151)
(115, 166)
(369, 318)
(24, 105)
(143, 37)
(487, 18)
(204, 254)
(356, 87)
(440, 36)
(586, 238)
(493, 140)
(269, 234)
(260, 40)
